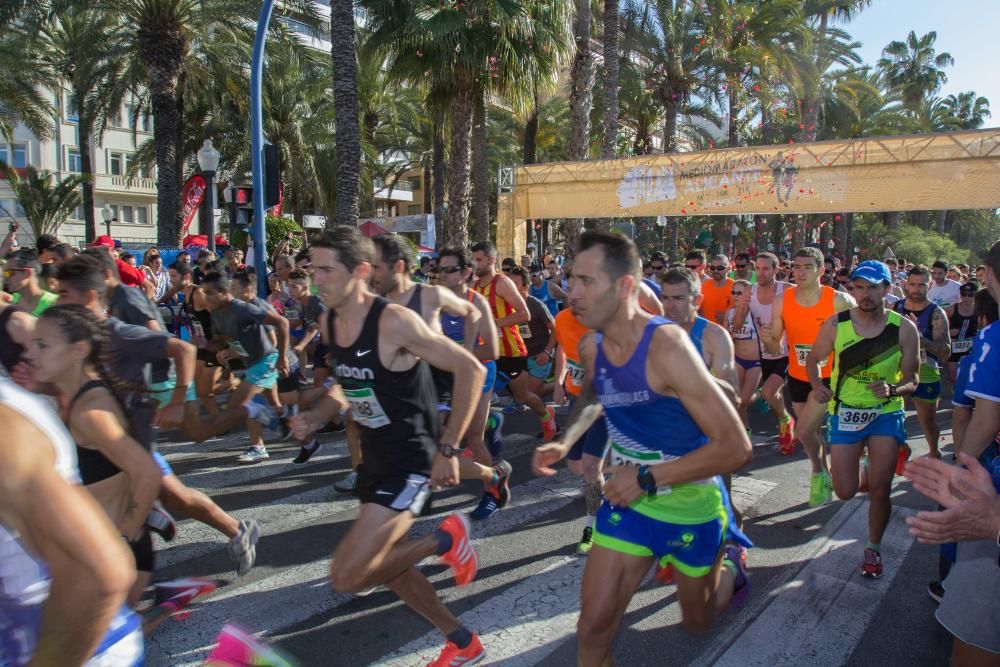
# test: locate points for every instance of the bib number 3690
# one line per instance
(856, 419)
(365, 408)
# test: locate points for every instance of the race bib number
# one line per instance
(292, 314)
(574, 372)
(856, 419)
(802, 351)
(525, 331)
(621, 456)
(923, 355)
(742, 333)
(961, 346)
(365, 408)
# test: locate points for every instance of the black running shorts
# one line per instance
(769, 367)
(397, 493)
(798, 391)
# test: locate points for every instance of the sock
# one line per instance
(444, 542)
(549, 415)
(312, 444)
(495, 478)
(874, 546)
(588, 522)
(787, 418)
(592, 497)
(460, 637)
(253, 410)
(285, 410)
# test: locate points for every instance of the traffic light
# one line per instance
(241, 203)
(272, 189)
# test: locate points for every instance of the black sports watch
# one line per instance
(448, 451)
(646, 480)
(892, 390)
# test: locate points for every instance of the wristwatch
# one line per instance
(448, 451)
(892, 390)
(646, 480)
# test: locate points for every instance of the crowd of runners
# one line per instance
(661, 365)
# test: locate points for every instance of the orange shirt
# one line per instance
(569, 332)
(511, 343)
(802, 327)
(717, 300)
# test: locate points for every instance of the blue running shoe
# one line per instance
(741, 586)
(487, 507)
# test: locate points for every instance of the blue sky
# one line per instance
(967, 29)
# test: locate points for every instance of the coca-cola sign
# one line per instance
(192, 194)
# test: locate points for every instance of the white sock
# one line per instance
(253, 410)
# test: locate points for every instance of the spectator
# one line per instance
(128, 258)
(153, 263)
(44, 245)
(423, 272)
(205, 256)
(129, 275)
(62, 252)
(183, 257)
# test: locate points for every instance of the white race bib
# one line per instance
(850, 420)
(621, 456)
(292, 314)
(574, 372)
(525, 331)
(365, 408)
(961, 345)
(923, 355)
(802, 351)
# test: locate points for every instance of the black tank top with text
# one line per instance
(395, 409)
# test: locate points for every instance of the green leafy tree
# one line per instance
(915, 68)
(47, 202)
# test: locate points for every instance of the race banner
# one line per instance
(192, 194)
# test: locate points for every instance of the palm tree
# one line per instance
(21, 97)
(46, 203)
(581, 100)
(79, 46)
(969, 109)
(345, 99)
(612, 30)
(915, 68)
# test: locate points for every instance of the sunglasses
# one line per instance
(717, 268)
(507, 269)
(450, 269)
(737, 293)
(657, 267)
(741, 266)
(693, 267)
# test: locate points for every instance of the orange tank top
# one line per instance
(569, 332)
(802, 327)
(716, 300)
(511, 343)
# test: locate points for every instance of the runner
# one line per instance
(64, 569)
(544, 290)
(943, 291)
(67, 351)
(22, 280)
(773, 366)
(670, 420)
(935, 344)
(538, 334)
(695, 261)
(876, 356)
(381, 354)
(716, 291)
(801, 312)
(962, 327)
(743, 268)
(746, 343)
(454, 266)
(509, 311)
(16, 331)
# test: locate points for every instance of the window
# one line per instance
(73, 161)
(116, 164)
(117, 120)
(3, 154)
(414, 183)
(72, 112)
(20, 155)
(147, 123)
(414, 209)
(12, 207)
(114, 213)
(142, 215)
(127, 215)
(79, 213)
(130, 116)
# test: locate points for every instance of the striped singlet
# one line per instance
(511, 343)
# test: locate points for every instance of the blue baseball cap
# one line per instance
(873, 271)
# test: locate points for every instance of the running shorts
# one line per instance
(443, 381)
(397, 493)
(263, 373)
(320, 355)
(888, 424)
(512, 366)
(293, 382)
(540, 372)
(593, 442)
(928, 391)
(122, 645)
(209, 357)
(491, 376)
(971, 604)
(798, 391)
(142, 551)
(692, 548)
(769, 367)
(162, 392)
(165, 469)
(748, 364)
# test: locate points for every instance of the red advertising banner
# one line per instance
(192, 194)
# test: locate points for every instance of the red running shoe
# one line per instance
(904, 458)
(452, 656)
(665, 575)
(461, 558)
(786, 437)
(871, 567)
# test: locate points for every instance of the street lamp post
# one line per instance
(208, 162)
(109, 217)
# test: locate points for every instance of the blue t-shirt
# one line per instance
(959, 399)
(984, 384)
(653, 285)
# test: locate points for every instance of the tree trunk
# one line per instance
(426, 189)
(811, 103)
(529, 149)
(611, 35)
(580, 100)
(480, 169)
(87, 170)
(345, 103)
(669, 124)
(456, 228)
(439, 177)
(766, 131)
(891, 219)
(162, 69)
(734, 140)
(849, 236)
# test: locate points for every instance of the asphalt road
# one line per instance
(807, 606)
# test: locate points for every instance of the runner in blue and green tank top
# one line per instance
(673, 433)
(875, 360)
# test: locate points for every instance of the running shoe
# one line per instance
(160, 522)
(665, 575)
(266, 415)
(820, 489)
(461, 558)
(786, 437)
(741, 584)
(904, 458)
(238, 648)
(306, 453)
(871, 567)
(243, 546)
(347, 485)
(586, 542)
(502, 488)
(253, 455)
(935, 590)
(452, 656)
(180, 592)
(486, 508)
(331, 427)
(549, 428)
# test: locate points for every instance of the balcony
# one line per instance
(124, 184)
(402, 191)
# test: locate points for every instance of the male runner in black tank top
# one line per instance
(380, 354)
